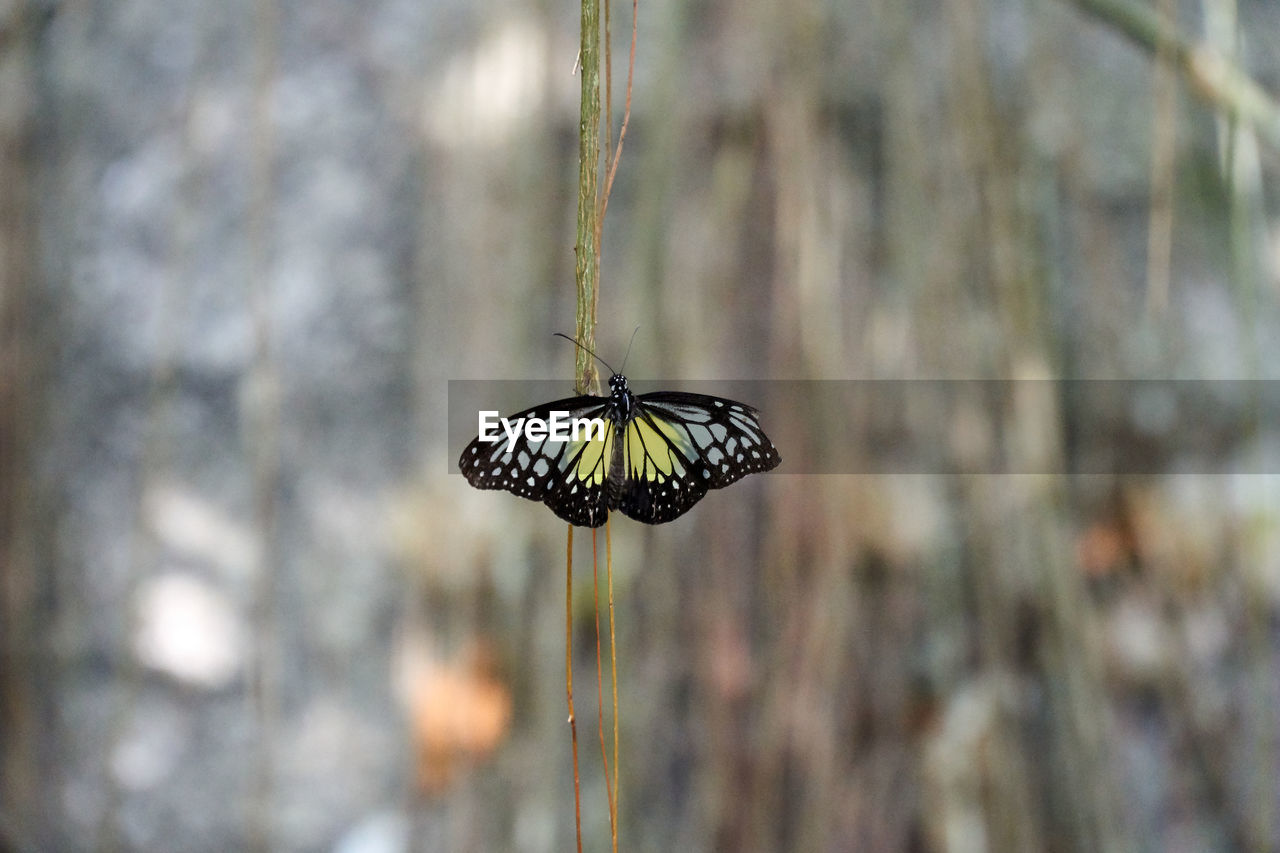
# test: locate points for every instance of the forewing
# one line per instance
(569, 476)
(723, 436)
(680, 445)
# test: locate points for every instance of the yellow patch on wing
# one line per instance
(593, 463)
(659, 462)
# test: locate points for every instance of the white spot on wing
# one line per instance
(701, 435)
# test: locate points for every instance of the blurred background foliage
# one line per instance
(245, 244)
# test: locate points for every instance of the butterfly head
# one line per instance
(619, 397)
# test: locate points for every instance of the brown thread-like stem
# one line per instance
(626, 121)
(604, 753)
(587, 279)
(568, 683)
(613, 655)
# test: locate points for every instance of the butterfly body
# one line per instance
(658, 455)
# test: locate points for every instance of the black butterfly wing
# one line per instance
(678, 445)
(661, 473)
(568, 476)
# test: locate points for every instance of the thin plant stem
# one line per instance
(608, 78)
(587, 280)
(608, 142)
(626, 121)
(568, 683)
(592, 205)
(586, 262)
(604, 753)
(613, 667)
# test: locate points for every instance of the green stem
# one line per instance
(587, 267)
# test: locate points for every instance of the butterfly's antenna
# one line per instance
(589, 352)
(629, 343)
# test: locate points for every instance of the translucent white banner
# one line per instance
(968, 426)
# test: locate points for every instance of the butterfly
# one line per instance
(653, 458)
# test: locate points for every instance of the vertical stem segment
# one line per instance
(613, 661)
(587, 277)
(604, 752)
(587, 250)
(568, 683)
